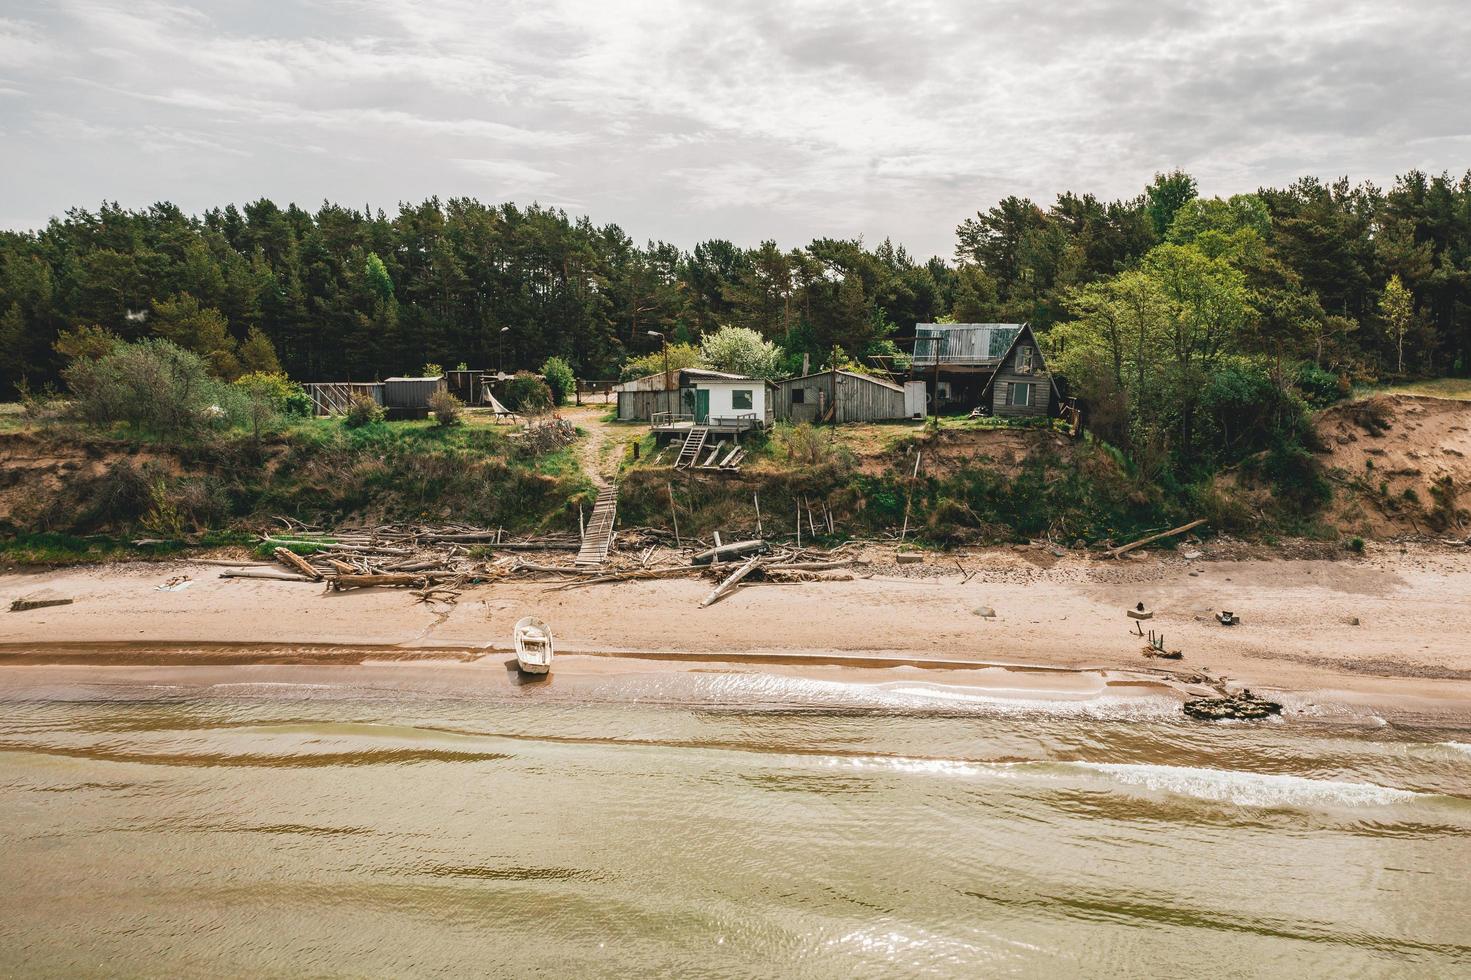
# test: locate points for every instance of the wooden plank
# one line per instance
(21, 605)
(291, 559)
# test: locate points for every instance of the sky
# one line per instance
(739, 119)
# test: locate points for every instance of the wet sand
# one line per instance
(1059, 630)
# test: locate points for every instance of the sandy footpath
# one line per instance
(1411, 647)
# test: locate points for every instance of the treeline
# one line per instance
(1363, 283)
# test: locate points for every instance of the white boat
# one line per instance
(533, 645)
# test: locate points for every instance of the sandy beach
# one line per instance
(1387, 630)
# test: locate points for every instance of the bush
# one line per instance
(362, 411)
(528, 394)
(448, 410)
(558, 375)
(155, 385)
(1320, 387)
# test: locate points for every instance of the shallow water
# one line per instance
(411, 820)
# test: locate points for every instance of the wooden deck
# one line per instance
(669, 424)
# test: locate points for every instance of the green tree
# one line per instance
(200, 329)
(1398, 309)
(740, 350)
(1166, 196)
(559, 378)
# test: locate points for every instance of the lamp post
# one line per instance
(664, 345)
(502, 355)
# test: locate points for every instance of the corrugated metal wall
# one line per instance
(410, 392)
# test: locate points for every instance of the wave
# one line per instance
(1247, 788)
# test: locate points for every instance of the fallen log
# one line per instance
(361, 581)
(1126, 548)
(335, 546)
(291, 559)
(21, 605)
(806, 566)
(724, 588)
(736, 549)
(264, 573)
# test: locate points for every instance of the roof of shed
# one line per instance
(852, 374)
(437, 377)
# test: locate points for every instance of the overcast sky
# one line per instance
(692, 119)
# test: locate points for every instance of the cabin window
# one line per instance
(1024, 359)
(740, 398)
(1021, 394)
(799, 396)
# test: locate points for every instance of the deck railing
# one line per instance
(740, 423)
(661, 420)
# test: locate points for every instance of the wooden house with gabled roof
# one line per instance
(1021, 383)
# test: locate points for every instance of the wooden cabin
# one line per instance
(641, 399)
(729, 405)
(1021, 385)
(839, 396)
(956, 360)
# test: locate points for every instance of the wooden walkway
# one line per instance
(597, 537)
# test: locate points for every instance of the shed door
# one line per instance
(702, 406)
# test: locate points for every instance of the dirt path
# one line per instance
(596, 452)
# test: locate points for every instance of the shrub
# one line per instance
(1356, 545)
(1319, 387)
(362, 411)
(558, 375)
(153, 384)
(431, 370)
(448, 410)
(528, 394)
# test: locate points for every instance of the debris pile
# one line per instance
(1241, 706)
(438, 560)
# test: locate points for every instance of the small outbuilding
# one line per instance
(840, 396)
(408, 398)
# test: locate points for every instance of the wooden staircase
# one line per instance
(597, 537)
(693, 444)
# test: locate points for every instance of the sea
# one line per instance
(419, 820)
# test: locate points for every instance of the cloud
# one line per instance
(681, 119)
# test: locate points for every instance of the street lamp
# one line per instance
(664, 344)
(502, 355)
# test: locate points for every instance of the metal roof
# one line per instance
(437, 377)
(852, 374)
(963, 343)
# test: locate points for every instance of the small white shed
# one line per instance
(720, 402)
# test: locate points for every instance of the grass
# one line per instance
(1455, 388)
(54, 548)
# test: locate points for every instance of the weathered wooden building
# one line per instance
(641, 399)
(956, 360)
(839, 396)
(1022, 384)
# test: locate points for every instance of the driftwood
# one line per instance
(736, 549)
(1126, 548)
(265, 573)
(724, 588)
(359, 581)
(291, 559)
(21, 605)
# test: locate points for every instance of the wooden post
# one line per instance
(799, 525)
(674, 513)
(756, 498)
(909, 499)
(581, 526)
